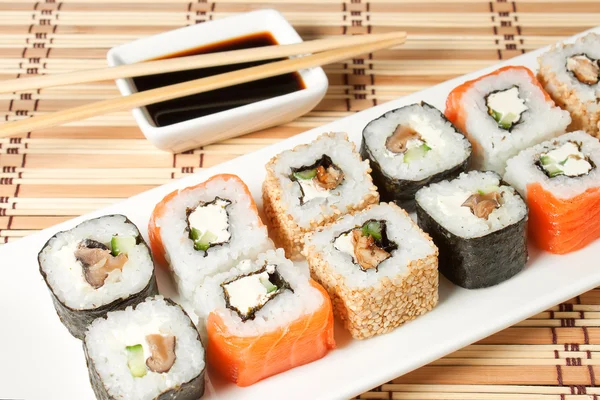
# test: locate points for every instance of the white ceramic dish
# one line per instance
(41, 360)
(215, 127)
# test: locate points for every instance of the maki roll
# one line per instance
(100, 265)
(263, 317)
(205, 229)
(570, 73)
(561, 182)
(379, 268)
(150, 351)
(502, 113)
(313, 185)
(410, 147)
(479, 224)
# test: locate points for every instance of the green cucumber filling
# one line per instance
(585, 69)
(318, 179)
(247, 294)
(162, 355)
(408, 142)
(135, 360)
(368, 245)
(506, 107)
(208, 224)
(98, 261)
(484, 202)
(566, 159)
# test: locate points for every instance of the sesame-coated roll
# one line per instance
(379, 268)
(313, 185)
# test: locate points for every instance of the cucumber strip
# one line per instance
(488, 189)
(373, 229)
(306, 174)
(204, 242)
(416, 153)
(135, 360)
(268, 285)
(122, 244)
(545, 160)
(195, 234)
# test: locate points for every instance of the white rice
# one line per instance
(542, 121)
(412, 243)
(556, 60)
(106, 340)
(443, 200)
(65, 274)
(280, 311)
(521, 170)
(190, 266)
(449, 148)
(355, 186)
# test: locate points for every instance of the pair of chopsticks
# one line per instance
(323, 51)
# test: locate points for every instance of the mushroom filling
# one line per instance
(247, 294)
(483, 203)
(157, 355)
(368, 245)
(317, 180)
(208, 224)
(408, 142)
(506, 107)
(584, 69)
(98, 260)
(568, 160)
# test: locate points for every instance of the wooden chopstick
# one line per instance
(191, 62)
(193, 87)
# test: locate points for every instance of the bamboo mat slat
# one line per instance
(52, 175)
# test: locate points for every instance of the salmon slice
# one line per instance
(247, 360)
(156, 243)
(458, 115)
(563, 225)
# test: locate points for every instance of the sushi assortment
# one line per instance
(495, 168)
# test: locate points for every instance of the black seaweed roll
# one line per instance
(100, 265)
(479, 224)
(411, 147)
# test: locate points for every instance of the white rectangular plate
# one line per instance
(41, 360)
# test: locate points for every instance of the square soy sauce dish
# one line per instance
(193, 121)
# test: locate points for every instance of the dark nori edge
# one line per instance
(385, 243)
(573, 74)
(509, 130)
(77, 321)
(188, 211)
(402, 191)
(325, 161)
(538, 163)
(281, 284)
(481, 261)
(94, 244)
(190, 390)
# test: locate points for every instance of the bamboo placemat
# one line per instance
(52, 175)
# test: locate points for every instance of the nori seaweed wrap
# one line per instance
(479, 224)
(124, 365)
(100, 265)
(411, 147)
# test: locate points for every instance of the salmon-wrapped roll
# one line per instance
(561, 182)
(205, 229)
(502, 113)
(263, 317)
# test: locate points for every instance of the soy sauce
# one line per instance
(199, 105)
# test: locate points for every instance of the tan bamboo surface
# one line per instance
(51, 175)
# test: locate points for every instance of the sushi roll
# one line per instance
(205, 229)
(479, 224)
(150, 351)
(379, 268)
(263, 317)
(570, 73)
(502, 113)
(410, 147)
(561, 182)
(100, 265)
(313, 185)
